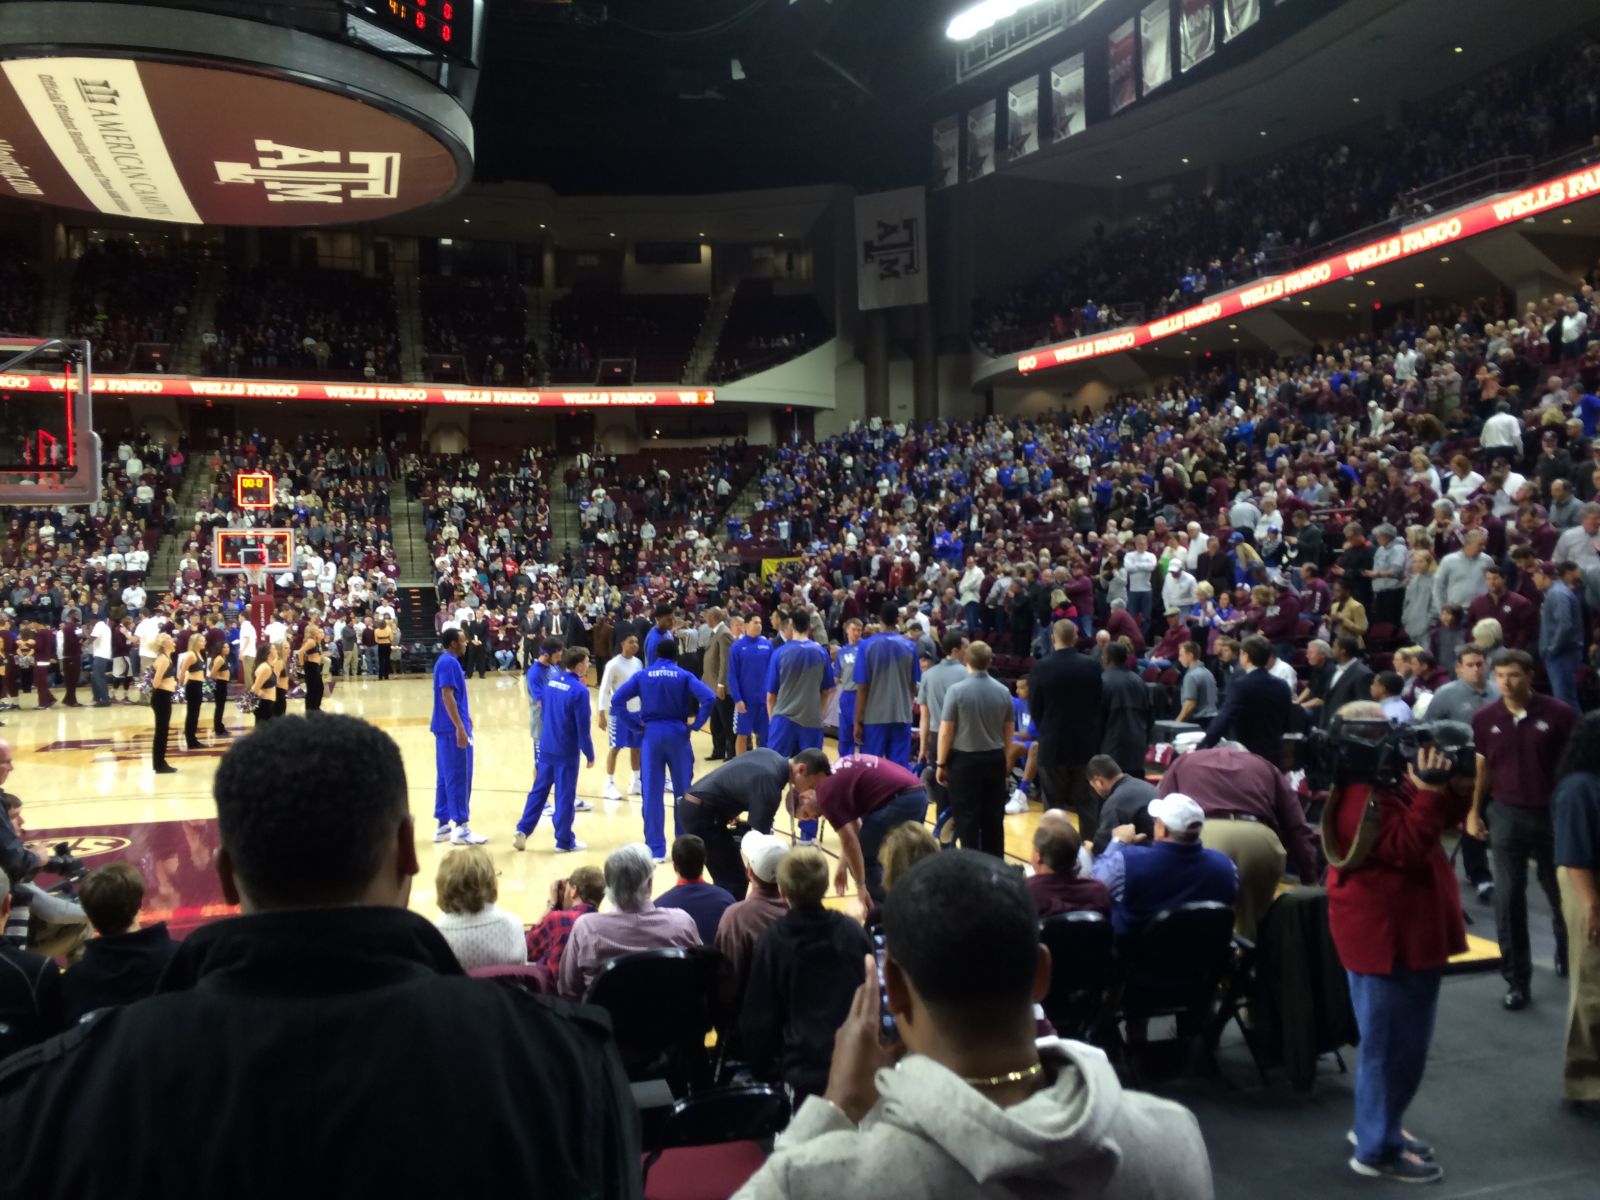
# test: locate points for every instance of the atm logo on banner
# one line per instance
(295, 175)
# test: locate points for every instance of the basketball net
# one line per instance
(255, 574)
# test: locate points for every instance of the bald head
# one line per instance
(1056, 842)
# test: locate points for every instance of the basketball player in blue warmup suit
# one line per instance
(747, 684)
(848, 654)
(564, 737)
(799, 682)
(887, 672)
(662, 632)
(451, 727)
(668, 694)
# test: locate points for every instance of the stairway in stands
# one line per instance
(415, 610)
(197, 479)
(704, 355)
(408, 321)
(564, 520)
(418, 599)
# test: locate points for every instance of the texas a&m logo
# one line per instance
(293, 174)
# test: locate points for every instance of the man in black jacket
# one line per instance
(1064, 700)
(1258, 708)
(326, 1038)
(1125, 703)
(1351, 679)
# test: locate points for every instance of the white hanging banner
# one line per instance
(1197, 39)
(1155, 44)
(1022, 118)
(947, 152)
(1122, 58)
(1067, 115)
(1237, 16)
(892, 248)
(980, 140)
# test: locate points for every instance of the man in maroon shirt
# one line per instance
(1056, 886)
(71, 655)
(1519, 739)
(1519, 619)
(862, 797)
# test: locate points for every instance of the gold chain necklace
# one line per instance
(1032, 1072)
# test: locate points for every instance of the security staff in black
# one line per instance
(753, 784)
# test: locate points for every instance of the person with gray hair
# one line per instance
(1389, 563)
(634, 922)
(1459, 579)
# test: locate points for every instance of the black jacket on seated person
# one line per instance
(805, 972)
(1256, 714)
(118, 968)
(30, 1001)
(338, 1051)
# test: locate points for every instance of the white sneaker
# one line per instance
(1018, 803)
(582, 806)
(637, 789)
(572, 849)
(463, 836)
(519, 840)
(612, 792)
(442, 834)
(660, 859)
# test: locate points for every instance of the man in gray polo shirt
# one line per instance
(974, 726)
(1471, 689)
(936, 683)
(1198, 695)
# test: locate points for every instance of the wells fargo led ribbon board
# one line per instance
(1429, 235)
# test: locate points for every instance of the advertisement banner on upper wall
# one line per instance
(946, 152)
(1197, 33)
(980, 140)
(1155, 44)
(1067, 115)
(1237, 16)
(892, 248)
(1022, 118)
(1122, 66)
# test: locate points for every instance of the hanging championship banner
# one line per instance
(1121, 57)
(980, 140)
(1197, 34)
(1022, 118)
(1237, 16)
(1067, 115)
(946, 152)
(891, 248)
(1155, 45)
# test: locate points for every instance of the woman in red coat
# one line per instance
(1395, 914)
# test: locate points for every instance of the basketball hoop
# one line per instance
(255, 575)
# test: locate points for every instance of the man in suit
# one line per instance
(1125, 705)
(1257, 711)
(1351, 680)
(714, 674)
(1064, 701)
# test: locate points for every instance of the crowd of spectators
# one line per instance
(1272, 217)
(128, 293)
(592, 325)
(764, 329)
(277, 323)
(483, 322)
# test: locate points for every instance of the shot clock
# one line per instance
(253, 490)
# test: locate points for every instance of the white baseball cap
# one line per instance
(1177, 812)
(762, 852)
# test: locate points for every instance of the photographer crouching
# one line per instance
(1395, 914)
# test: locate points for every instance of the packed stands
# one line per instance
(285, 324)
(764, 329)
(1280, 214)
(653, 335)
(20, 290)
(132, 300)
(476, 330)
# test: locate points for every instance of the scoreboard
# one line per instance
(440, 26)
(253, 490)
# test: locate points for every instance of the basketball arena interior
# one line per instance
(788, 598)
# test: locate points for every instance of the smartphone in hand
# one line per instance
(888, 1031)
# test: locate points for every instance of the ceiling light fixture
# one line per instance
(1459, 49)
(1119, 176)
(1186, 161)
(1421, 285)
(1444, 258)
(977, 18)
(1355, 99)
(1566, 220)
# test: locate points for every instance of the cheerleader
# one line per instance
(163, 684)
(311, 665)
(264, 687)
(191, 674)
(218, 674)
(280, 666)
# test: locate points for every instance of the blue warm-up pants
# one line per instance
(788, 739)
(891, 741)
(847, 723)
(561, 773)
(666, 749)
(452, 794)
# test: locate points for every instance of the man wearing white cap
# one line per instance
(744, 921)
(1173, 869)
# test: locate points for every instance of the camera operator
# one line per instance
(62, 920)
(1395, 914)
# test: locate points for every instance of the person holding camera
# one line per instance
(1395, 915)
(1519, 740)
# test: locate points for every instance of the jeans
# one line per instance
(1562, 669)
(907, 806)
(1139, 608)
(99, 671)
(1395, 1014)
(1515, 836)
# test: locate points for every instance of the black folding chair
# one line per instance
(660, 1006)
(1081, 967)
(743, 1119)
(1174, 967)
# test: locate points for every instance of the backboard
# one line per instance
(49, 452)
(232, 547)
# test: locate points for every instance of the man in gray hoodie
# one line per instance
(976, 1106)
